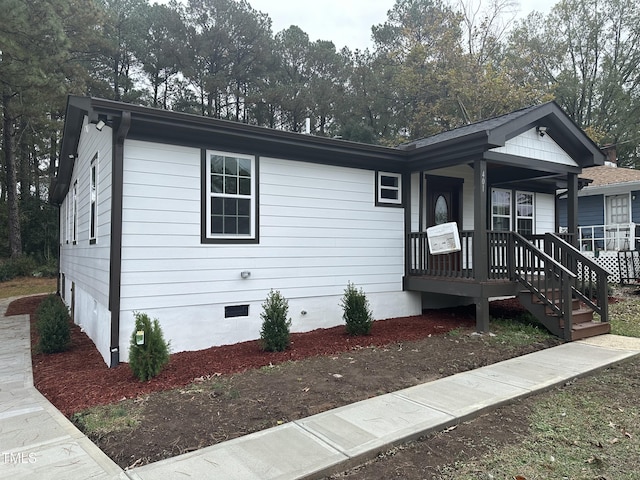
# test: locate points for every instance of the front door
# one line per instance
(443, 200)
(443, 204)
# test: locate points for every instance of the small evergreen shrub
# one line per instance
(53, 325)
(357, 314)
(148, 352)
(275, 333)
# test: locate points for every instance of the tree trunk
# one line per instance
(15, 238)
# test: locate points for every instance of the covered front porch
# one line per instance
(496, 181)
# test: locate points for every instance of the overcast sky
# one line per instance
(345, 22)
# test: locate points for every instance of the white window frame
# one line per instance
(383, 186)
(526, 217)
(93, 199)
(509, 204)
(209, 195)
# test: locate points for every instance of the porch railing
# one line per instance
(616, 237)
(451, 265)
(546, 278)
(590, 284)
(460, 264)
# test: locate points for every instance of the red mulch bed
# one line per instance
(79, 378)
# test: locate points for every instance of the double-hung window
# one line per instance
(230, 197)
(524, 213)
(501, 210)
(512, 210)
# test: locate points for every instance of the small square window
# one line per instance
(388, 189)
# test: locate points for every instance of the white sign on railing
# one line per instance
(443, 238)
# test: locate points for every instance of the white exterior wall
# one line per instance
(85, 266)
(319, 229)
(531, 145)
(544, 213)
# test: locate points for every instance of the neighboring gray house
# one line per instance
(193, 220)
(608, 214)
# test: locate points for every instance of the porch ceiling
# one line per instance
(516, 177)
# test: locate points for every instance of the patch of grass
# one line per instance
(589, 430)
(519, 331)
(625, 317)
(98, 421)
(456, 332)
(22, 286)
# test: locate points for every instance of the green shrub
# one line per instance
(357, 314)
(275, 324)
(148, 351)
(48, 269)
(22, 266)
(53, 325)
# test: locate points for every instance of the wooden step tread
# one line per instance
(581, 310)
(589, 329)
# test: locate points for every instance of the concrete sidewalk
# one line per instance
(38, 442)
(334, 441)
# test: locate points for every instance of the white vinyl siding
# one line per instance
(83, 265)
(545, 213)
(319, 230)
(531, 145)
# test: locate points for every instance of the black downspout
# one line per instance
(58, 290)
(115, 265)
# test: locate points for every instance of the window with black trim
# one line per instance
(93, 198)
(388, 188)
(75, 213)
(230, 197)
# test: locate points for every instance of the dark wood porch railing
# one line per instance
(452, 265)
(590, 284)
(555, 272)
(547, 279)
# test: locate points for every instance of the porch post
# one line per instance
(480, 243)
(572, 207)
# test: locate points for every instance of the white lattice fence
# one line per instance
(624, 270)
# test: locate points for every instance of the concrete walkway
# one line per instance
(37, 442)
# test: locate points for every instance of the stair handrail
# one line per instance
(549, 280)
(570, 255)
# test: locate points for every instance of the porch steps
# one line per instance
(582, 323)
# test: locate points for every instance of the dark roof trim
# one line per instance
(454, 147)
(495, 132)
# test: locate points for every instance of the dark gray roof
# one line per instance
(461, 145)
(473, 128)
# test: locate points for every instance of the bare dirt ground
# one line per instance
(214, 395)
